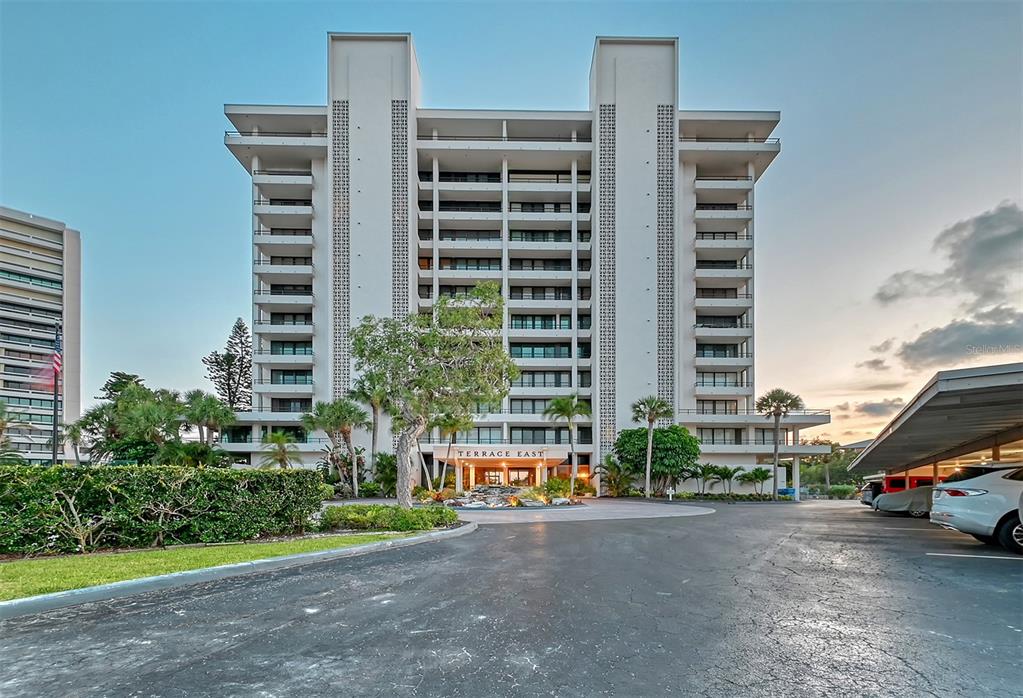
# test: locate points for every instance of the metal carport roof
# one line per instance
(956, 412)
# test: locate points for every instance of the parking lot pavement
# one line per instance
(818, 598)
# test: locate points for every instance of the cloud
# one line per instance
(883, 346)
(842, 407)
(984, 262)
(874, 365)
(891, 385)
(998, 331)
(880, 408)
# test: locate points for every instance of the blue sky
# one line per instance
(898, 120)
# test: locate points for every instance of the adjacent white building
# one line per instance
(40, 286)
(622, 236)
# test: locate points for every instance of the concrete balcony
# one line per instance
(801, 419)
(709, 390)
(460, 246)
(293, 148)
(722, 245)
(290, 360)
(562, 334)
(724, 306)
(723, 277)
(539, 275)
(464, 214)
(283, 389)
(720, 152)
(275, 214)
(545, 187)
(723, 362)
(784, 450)
(283, 272)
(310, 445)
(545, 391)
(275, 300)
(713, 332)
(446, 144)
(275, 242)
(283, 331)
(530, 304)
(266, 416)
(723, 189)
(712, 218)
(528, 364)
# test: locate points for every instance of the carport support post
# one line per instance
(795, 478)
(934, 474)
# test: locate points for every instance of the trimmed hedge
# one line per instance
(383, 517)
(733, 497)
(77, 509)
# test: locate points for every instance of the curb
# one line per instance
(130, 587)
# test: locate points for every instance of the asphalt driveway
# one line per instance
(812, 599)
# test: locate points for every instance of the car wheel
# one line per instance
(1010, 535)
(918, 514)
(986, 540)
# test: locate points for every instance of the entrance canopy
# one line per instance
(500, 454)
(957, 412)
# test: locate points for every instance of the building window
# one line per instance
(540, 351)
(291, 318)
(543, 379)
(291, 377)
(717, 406)
(719, 436)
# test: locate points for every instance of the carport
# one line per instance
(960, 417)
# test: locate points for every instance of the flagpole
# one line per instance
(56, 391)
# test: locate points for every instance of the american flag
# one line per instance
(58, 359)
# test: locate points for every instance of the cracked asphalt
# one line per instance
(821, 599)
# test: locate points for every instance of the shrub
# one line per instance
(386, 473)
(76, 509)
(584, 487)
(326, 491)
(559, 486)
(369, 489)
(536, 494)
(384, 517)
(842, 491)
(420, 492)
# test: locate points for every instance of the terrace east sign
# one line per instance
(498, 452)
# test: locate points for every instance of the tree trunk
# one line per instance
(403, 490)
(649, 456)
(774, 473)
(354, 458)
(422, 465)
(373, 439)
(571, 456)
(827, 477)
(78, 458)
(444, 468)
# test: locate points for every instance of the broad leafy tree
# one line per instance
(649, 409)
(230, 370)
(431, 364)
(775, 404)
(675, 451)
(568, 408)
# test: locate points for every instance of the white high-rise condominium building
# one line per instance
(40, 286)
(622, 236)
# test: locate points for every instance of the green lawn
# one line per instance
(20, 578)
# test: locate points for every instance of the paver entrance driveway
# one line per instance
(793, 600)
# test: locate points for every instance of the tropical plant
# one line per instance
(152, 416)
(74, 436)
(704, 474)
(726, 475)
(615, 476)
(116, 383)
(230, 371)
(433, 364)
(649, 409)
(8, 454)
(386, 474)
(338, 419)
(568, 408)
(756, 477)
(207, 414)
(279, 450)
(370, 391)
(675, 451)
(192, 454)
(777, 403)
(450, 424)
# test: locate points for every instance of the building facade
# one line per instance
(40, 286)
(622, 237)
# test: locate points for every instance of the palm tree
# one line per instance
(703, 473)
(568, 407)
(649, 409)
(615, 475)
(8, 454)
(449, 425)
(208, 413)
(756, 477)
(73, 434)
(369, 390)
(279, 448)
(725, 475)
(339, 419)
(777, 403)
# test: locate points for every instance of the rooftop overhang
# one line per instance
(957, 412)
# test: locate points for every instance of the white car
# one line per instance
(986, 506)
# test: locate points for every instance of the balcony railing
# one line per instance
(542, 139)
(232, 439)
(277, 134)
(724, 236)
(295, 232)
(715, 264)
(744, 442)
(724, 325)
(294, 352)
(284, 381)
(711, 355)
(278, 292)
(276, 263)
(701, 295)
(725, 384)
(284, 173)
(283, 202)
(723, 207)
(720, 139)
(745, 412)
(723, 178)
